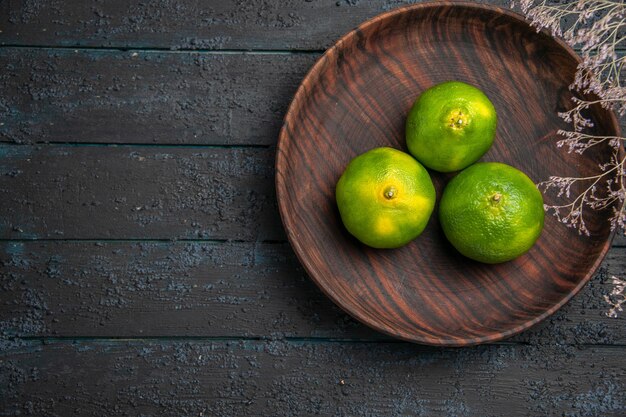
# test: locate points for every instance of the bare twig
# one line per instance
(597, 28)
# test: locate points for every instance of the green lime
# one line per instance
(450, 126)
(491, 212)
(385, 198)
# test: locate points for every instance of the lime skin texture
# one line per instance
(491, 212)
(385, 198)
(450, 126)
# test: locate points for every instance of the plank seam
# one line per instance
(165, 240)
(234, 51)
(157, 49)
(288, 339)
(130, 240)
(139, 145)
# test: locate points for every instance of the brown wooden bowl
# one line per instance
(356, 98)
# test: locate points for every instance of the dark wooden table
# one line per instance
(145, 270)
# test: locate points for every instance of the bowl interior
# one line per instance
(357, 97)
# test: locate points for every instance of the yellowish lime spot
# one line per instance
(483, 110)
(385, 226)
(418, 203)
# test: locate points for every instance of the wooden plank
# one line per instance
(158, 289)
(163, 289)
(125, 192)
(285, 378)
(106, 96)
(81, 96)
(105, 192)
(190, 24)
(122, 192)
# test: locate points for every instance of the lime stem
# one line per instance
(458, 119)
(496, 197)
(389, 193)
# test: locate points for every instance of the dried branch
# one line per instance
(598, 29)
(617, 298)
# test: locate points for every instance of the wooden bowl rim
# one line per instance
(295, 106)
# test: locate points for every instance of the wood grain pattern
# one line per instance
(122, 192)
(211, 289)
(286, 378)
(229, 327)
(187, 24)
(356, 98)
(126, 97)
(127, 192)
(148, 97)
